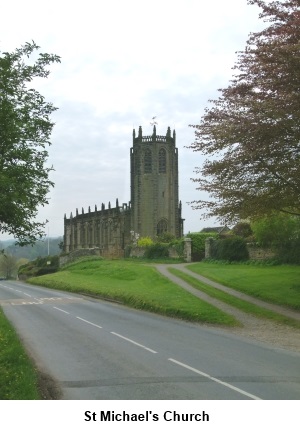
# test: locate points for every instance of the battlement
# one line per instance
(157, 138)
(154, 137)
(100, 212)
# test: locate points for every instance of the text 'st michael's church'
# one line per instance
(154, 208)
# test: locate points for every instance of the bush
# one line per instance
(157, 250)
(281, 232)
(165, 237)
(178, 245)
(145, 241)
(231, 249)
(198, 244)
(289, 252)
(276, 229)
(39, 267)
(242, 229)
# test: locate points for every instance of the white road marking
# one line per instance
(88, 322)
(135, 343)
(25, 294)
(54, 307)
(232, 387)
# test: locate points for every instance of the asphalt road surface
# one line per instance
(101, 350)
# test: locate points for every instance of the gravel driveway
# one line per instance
(263, 330)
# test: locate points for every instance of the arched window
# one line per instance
(148, 161)
(162, 227)
(162, 161)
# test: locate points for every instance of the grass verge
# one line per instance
(234, 301)
(18, 377)
(274, 284)
(136, 285)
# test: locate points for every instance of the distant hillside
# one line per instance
(5, 243)
(31, 252)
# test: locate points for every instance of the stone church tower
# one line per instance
(155, 208)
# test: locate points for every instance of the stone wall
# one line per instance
(139, 252)
(255, 252)
(74, 255)
(89, 252)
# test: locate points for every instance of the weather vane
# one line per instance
(153, 122)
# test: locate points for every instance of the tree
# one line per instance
(251, 134)
(25, 129)
(281, 232)
(242, 229)
(8, 265)
(276, 230)
(231, 249)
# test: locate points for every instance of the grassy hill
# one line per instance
(133, 284)
(140, 285)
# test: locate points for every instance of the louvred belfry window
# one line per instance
(162, 161)
(148, 161)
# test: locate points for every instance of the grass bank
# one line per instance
(235, 301)
(18, 377)
(136, 285)
(274, 284)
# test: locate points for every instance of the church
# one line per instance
(154, 207)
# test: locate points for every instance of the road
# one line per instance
(101, 350)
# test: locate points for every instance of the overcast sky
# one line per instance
(124, 62)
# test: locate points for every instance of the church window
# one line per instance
(162, 161)
(162, 227)
(148, 161)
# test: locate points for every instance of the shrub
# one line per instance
(281, 232)
(276, 229)
(145, 241)
(178, 244)
(242, 229)
(157, 250)
(165, 237)
(289, 252)
(231, 249)
(39, 267)
(45, 270)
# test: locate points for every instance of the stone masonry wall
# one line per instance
(255, 252)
